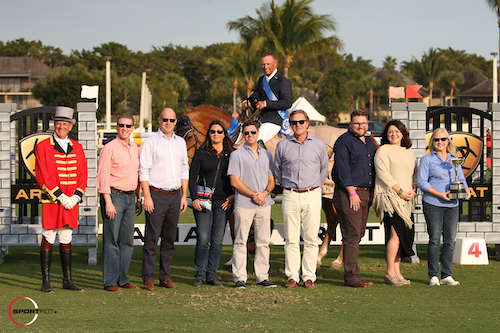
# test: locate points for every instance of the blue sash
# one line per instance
(285, 124)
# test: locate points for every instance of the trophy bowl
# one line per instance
(457, 188)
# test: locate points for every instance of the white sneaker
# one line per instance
(434, 281)
(449, 281)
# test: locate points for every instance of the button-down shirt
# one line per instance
(253, 171)
(353, 161)
(439, 174)
(118, 166)
(301, 165)
(163, 161)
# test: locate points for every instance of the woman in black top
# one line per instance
(209, 168)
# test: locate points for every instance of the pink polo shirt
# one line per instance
(118, 167)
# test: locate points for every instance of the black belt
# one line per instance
(303, 190)
(363, 189)
(124, 192)
(164, 191)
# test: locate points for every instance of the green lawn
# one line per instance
(331, 307)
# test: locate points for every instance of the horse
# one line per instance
(193, 127)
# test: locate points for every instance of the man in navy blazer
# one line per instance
(278, 98)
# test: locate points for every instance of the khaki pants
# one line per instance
(243, 219)
(301, 208)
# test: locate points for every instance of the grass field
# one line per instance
(331, 307)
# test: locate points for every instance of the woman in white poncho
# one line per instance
(395, 189)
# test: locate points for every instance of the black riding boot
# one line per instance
(45, 260)
(65, 252)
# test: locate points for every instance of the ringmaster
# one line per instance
(61, 173)
(301, 167)
(117, 182)
(251, 174)
(274, 97)
(353, 173)
(164, 177)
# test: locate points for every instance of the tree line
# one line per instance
(225, 73)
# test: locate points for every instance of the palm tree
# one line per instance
(390, 63)
(428, 69)
(241, 65)
(449, 79)
(495, 6)
(286, 30)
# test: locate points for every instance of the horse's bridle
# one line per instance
(189, 128)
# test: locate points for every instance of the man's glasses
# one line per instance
(248, 132)
(440, 139)
(359, 124)
(166, 120)
(295, 122)
(124, 125)
(218, 131)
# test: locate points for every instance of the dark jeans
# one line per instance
(441, 221)
(162, 222)
(210, 228)
(117, 239)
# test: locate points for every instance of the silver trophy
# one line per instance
(457, 188)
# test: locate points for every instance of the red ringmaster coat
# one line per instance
(58, 172)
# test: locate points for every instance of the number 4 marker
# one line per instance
(474, 249)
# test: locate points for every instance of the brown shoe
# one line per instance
(309, 284)
(360, 284)
(130, 286)
(292, 284)
(148, 285)
(113, 287)
(369, 283)
(168, 284)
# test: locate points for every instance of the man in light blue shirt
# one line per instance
(250, 172)
(301, 167)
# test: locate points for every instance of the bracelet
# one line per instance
(399, 192)
(268, 193)
(353, 194)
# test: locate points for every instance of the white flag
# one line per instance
(91, 92)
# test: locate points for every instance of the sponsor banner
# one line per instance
(186, 235)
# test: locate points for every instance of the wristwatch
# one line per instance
(268, 193)
(399, 192)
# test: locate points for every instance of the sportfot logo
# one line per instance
(469, 146)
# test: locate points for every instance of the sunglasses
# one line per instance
(218, 131)
(166, 120)
(295, 122)
(124, 125)
(440, 139)
(248, 132)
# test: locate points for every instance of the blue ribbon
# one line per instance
(285, 124)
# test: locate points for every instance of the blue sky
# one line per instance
(370, 29)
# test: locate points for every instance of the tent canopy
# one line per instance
(303, 104)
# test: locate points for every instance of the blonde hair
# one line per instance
(451, 148)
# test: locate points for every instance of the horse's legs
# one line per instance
(332, 220)
(229, 265)
(337, 263)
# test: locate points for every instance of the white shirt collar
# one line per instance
(271, 76)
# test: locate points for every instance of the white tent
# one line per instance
(303, 104)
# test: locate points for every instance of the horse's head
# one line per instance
(193, 138)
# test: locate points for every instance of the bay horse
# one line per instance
(193, 127)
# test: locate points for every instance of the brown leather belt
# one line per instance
(363, 189)
(124, 192)
(163, 191)
(303, 190)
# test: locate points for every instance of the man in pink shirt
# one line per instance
(117, 181)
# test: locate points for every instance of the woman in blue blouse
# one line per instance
(435, 175)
